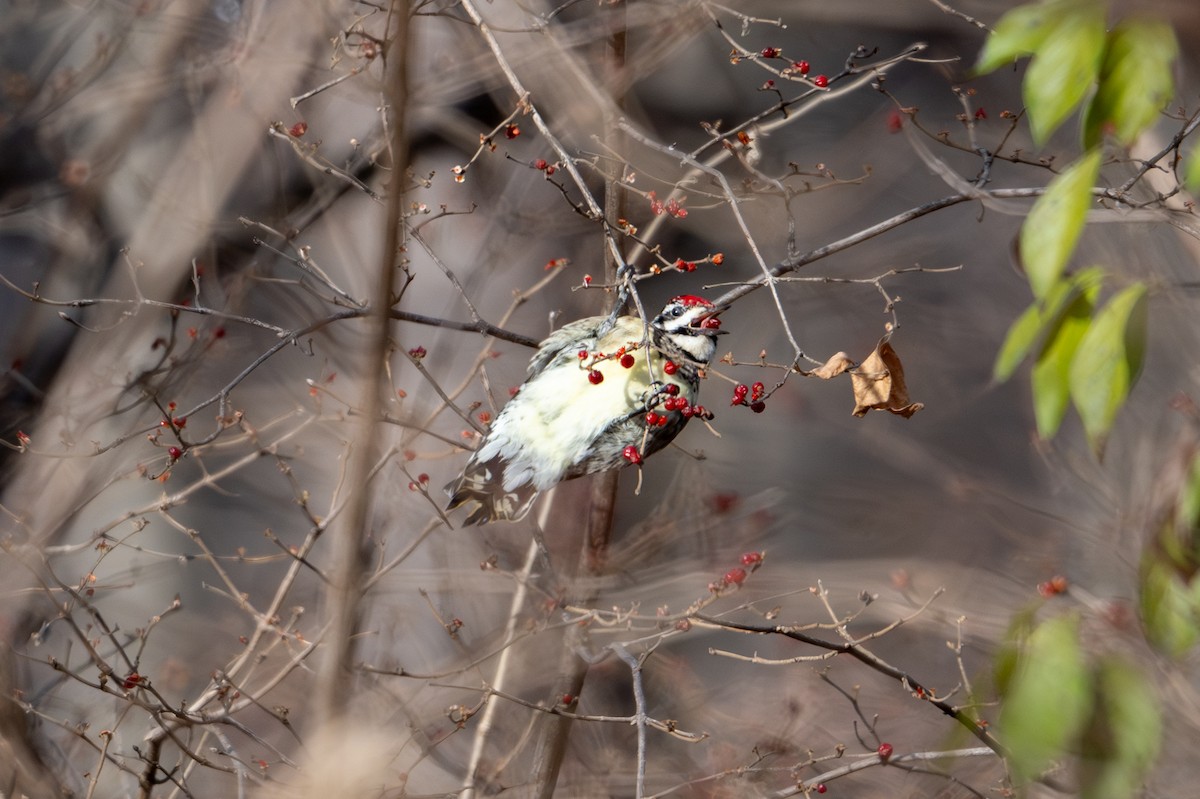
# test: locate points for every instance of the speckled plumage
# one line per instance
(560, 425)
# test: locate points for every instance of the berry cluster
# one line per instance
(1053, 587)
(175, 424)
(753, 396)
(738, 574)
(680, 265)
(671, 207)
(624, 356)
(800, 67)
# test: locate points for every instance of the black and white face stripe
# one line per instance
(682, 314)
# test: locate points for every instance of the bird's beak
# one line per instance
(710, 322)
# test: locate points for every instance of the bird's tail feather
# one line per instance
(482, 484)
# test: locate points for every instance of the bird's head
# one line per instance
(691, 324)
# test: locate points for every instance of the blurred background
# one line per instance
(181, 330)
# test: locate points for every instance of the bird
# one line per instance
(594, 399)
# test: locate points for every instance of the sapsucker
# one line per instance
(592, 401)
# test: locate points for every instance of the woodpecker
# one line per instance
(591, 401)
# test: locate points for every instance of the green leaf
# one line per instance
(1008, 655)
(1051, 381)
(1049, 697)
(1052, 228)
(1065, 68)
(1191, 177)
(1030, 326)
(1168, 607)
(1188, 511)
(1136, 81)
(1108, 362)
(1123, 736)
(1020, 32)
(1021, 337)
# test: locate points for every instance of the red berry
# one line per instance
(821, 788)
(175, 453)
(980, 113)
(752, 558)
(735, 576)
(413, 485)
(423, 478)
(651, 418)
(180, 421)
(627, 361)
(672, 389)
(540, 164)
(821, 81)
(567, 699)
(583, 354)
(133, 679)
(756, 390)
(417, 353)
(631, 454)
(725, 502)
(884, 751)
(298, 130)
(670, 368)
(758, 406)
(1053, 587)
(895, 122)
(596, 377)
(512, 131)
(770, 52)
(801, 66)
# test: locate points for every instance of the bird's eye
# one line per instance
(677, 310)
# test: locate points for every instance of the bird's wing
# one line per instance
(580, 334)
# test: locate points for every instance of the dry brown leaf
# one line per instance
(833, 367)
(879, 384)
